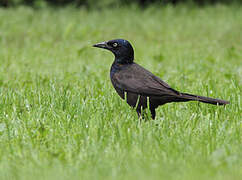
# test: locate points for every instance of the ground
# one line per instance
(60, 117)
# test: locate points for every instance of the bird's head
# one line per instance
(122, 50)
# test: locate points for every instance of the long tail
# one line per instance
(191, 97)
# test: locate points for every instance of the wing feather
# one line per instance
(136, 79)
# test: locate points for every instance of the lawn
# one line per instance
(60, 117)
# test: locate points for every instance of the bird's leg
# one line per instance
(143, 114)
(152, 111)
(139, 114)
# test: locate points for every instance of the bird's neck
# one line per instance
(117, 66)
(123, 60)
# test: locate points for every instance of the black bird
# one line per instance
(134, 83)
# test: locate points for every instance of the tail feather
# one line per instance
(191, 97)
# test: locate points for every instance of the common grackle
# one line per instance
(139, 86)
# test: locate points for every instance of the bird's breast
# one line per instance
(114, 69)
(112, 72)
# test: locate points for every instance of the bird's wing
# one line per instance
(136, 79)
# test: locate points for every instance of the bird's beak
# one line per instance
(101, 45)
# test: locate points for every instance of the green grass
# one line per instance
(60, 117)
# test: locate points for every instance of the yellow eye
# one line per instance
(115, 44)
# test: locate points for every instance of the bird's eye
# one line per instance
(115, 44)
